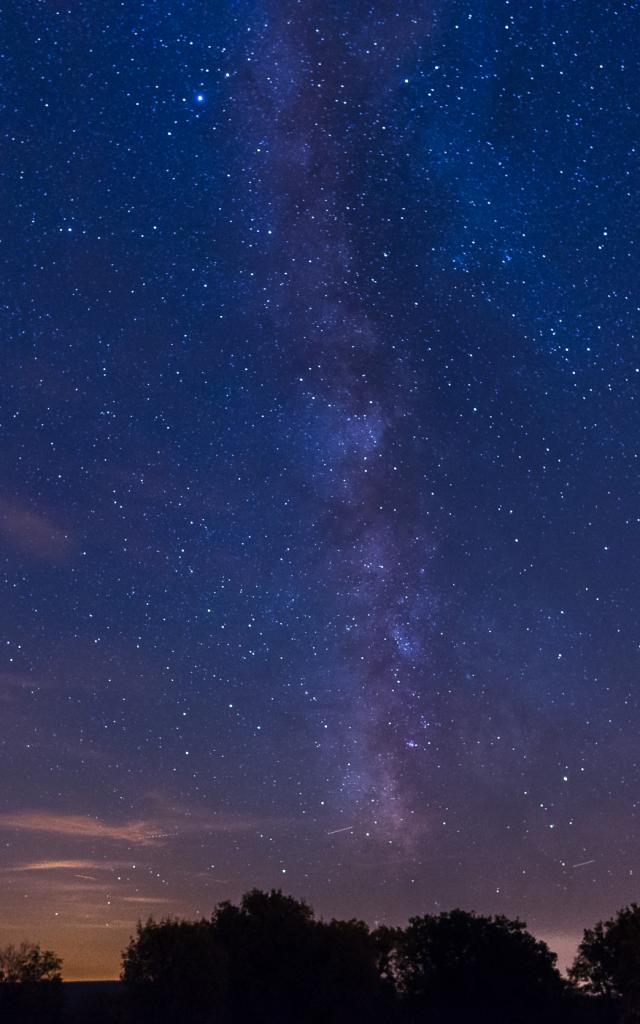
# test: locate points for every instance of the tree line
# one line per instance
(269, 959)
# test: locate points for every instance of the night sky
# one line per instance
(319, 514)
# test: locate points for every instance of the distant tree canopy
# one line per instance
(608, 961)
(459, 965)
(176, 969)
(269, 959)
(30, 989)
(27, 963)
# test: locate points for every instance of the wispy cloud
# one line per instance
(64, 865)
(142, 833)
(12, 684)
(33, 533)
(151, 901)
(165, 825)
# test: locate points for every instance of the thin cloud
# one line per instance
(146, 832)
(177, 819)
(143, 833)
(64, 865)
(13, 685)
(33, 533)
(152, 901)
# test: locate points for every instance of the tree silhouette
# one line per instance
(30, 989)
(348, 980)
(459, 966)
(175, 970)
(267, 959)
(271, 943)
(608, 962)
(27, 963)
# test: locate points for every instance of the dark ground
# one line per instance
(91, 1001)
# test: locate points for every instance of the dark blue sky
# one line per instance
(319, 512)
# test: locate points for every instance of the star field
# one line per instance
(319, 517)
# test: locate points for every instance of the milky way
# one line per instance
(319, 505)
(352, 382)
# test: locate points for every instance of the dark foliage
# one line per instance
(608, 963)
(265, 960)
(269, 960)
(27, 963)
(176, 970)
(462, 967)
(30, 985)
